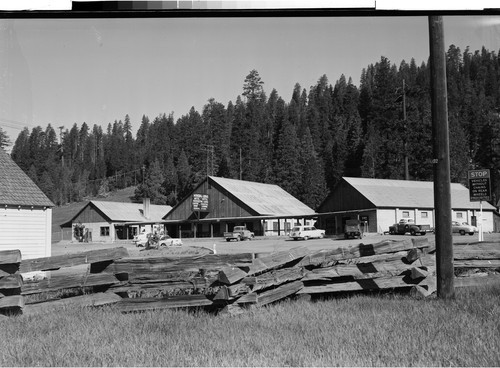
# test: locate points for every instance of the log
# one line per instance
(10, 256)
(89, 300)
(59, 281)
(14, 281)
(8, 269)
(13, 301)
(276, 260)
(127, 305)
(364, 284)
(248, 298)
(327, 257)
(476, 281)
(280, 292)
(232, 292)
(70, 260)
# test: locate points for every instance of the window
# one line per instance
(104, 230)
(406, 214)
(424, 214)
(460, 215)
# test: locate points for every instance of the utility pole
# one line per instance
(441, 160)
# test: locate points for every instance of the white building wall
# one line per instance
(95, 228)
(271, 226)
(28, 230)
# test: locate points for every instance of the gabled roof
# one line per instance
(264, 199)
(128, 212)
(16, 188)
(411, 194)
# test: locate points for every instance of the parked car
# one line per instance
(167, 241)
(239, 233)
(141, 239)
(462, 228)
(352, 229)
(409, 226)
(306, 232)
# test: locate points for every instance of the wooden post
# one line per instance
(441, 161)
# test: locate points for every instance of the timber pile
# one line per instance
(11, 281)
(232, 283)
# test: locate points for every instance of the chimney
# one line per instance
(145, 207)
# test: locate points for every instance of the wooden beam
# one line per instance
(89, 300)
(275, 278)
(13, 301)
(127, 305)
(14, 281)
(280, 292)
(10, 256)
(477, 281)
(477, 263)
(73, 259)
(230, 275)
(328, 257)
(276, 260)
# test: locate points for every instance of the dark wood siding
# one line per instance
(89, 215)
(344, 198)
(220, 204)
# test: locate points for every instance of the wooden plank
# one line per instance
(74, 259)
(476, 263)
(9, 269)
(10, 256)
(13, 301)
(364, 284)
(11, 282)
(280, 292)
(127, 305)
(59, 281)
(275, 278)
(230, 275)
(248, 298)
(276, 260)
(164, 288)
(327, 257)
(476, 281)
(89, 300)
(231, 292)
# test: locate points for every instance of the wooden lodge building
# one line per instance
(218, 204)
(379, 203)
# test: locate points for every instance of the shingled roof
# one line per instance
(264, 199)
(411, 194)
(16, 188)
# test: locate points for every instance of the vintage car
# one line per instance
(306, 232)
(463, 228)
(164, 240)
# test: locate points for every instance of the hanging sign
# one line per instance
(200, 202)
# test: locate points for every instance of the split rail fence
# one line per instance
(230, 283)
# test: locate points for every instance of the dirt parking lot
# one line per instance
(202, 246)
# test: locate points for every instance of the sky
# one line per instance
(93, 70)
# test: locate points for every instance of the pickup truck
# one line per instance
(239, 233)
(408, 226)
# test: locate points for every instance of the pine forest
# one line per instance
(304, 142)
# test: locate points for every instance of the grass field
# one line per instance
(357, 330)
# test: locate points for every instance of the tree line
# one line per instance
(305, 143)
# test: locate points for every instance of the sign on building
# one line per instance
(479, 185)
(200, 202)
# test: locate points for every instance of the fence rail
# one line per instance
(233, 282)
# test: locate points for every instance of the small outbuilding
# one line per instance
(103, 221)
(217, 204)
(379, 203)
(26, 212)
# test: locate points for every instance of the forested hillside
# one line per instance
(304, 141)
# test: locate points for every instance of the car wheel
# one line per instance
(413, 232)
(423, 233)
(462, 232)
(471, 233)
(306, 237)
(321, 236)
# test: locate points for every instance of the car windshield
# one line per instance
(296, 229)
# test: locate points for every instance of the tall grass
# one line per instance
(359, 330)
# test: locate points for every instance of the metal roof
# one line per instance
(411, 194)
(264, 199)
(17, 188)
(131, 212)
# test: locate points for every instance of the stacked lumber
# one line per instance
(476, 263)
(384, 265)
(11, 282)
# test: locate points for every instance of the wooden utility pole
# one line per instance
(441, 160)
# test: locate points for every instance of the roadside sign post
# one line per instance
(479, 191)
